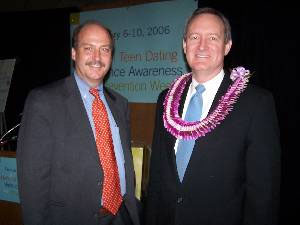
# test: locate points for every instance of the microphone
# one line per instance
(6, 133)
(2, 143)
(13, 138)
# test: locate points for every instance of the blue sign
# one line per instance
(8, 180)
(148, 52)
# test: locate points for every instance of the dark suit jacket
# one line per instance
(60, 180)
(234, 172)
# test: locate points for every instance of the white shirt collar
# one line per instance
(210, 85)
(211, 88)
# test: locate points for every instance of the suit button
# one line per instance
(179, 200)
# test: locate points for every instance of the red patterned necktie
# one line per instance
(111, 194)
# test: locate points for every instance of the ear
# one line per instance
(184, 46)
(73, 54)
(228, 47)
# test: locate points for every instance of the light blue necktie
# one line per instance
(185, 147)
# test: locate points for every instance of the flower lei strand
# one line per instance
(192, 130)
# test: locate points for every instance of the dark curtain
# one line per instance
(40, 42)
(265, 40)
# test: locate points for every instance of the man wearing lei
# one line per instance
(222, 167)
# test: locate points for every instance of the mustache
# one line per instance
(95, 63)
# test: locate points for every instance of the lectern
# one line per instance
(10, 213)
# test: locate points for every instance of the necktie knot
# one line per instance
(94, 92)
(200, 89)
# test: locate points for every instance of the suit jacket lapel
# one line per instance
(221, 91)
(79, 116)
(184, 94)
(111, 101)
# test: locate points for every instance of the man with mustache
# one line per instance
(74, 156)
(215, 156)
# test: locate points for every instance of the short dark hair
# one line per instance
(208, 10)
(78, 29)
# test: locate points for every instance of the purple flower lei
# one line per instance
(192, 130)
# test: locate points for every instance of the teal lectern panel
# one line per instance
(8, 180)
